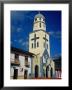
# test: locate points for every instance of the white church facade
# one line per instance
(38, 58)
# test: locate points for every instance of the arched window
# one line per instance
(47, 46)
(35, 19)
(40, 24)
(36, 71)
(47, 69)
(40, 19)
(51, 72)
(37, 44)
(32, 45)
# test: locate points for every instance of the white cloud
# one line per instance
(51, 32)
(24, 43)
(20, 40)
(19, 29)
(15, 40)
(55, 34)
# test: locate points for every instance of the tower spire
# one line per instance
(39, 12)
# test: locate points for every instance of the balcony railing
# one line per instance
(15, 61)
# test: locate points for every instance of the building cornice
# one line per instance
(40, 30)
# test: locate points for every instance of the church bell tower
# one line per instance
(39, 44)
(39, 38)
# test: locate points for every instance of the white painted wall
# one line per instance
(12, 56)
(11, 71)
(41, 41)
(29, 70)
(36, 25)
(22, 65)
(22, 61)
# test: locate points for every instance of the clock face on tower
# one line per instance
(45, 56)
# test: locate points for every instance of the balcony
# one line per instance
(15, 62)
(27, 64)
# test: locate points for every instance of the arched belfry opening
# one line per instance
(51, 72)
(36, 71)
(47, 69)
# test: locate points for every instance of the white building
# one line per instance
(21, 63)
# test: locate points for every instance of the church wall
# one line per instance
(41, 41)
(37, 25)
(51, 62)
(48, 44)
(33, 65)
(38, 50)
(36, 61)
(34, 50)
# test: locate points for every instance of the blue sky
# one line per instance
(22, 25)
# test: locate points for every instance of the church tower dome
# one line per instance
(39, 15)
(39, 22)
